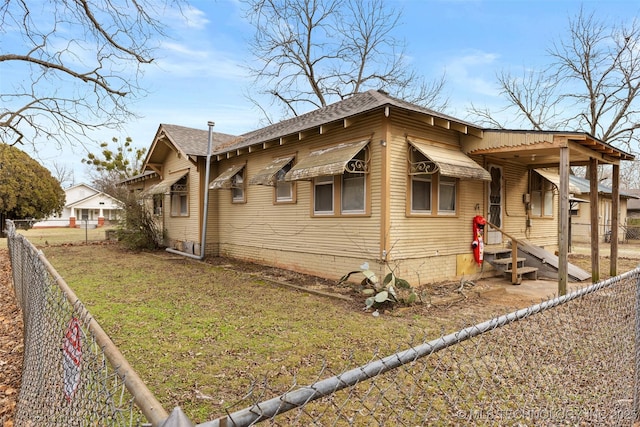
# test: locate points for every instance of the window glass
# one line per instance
(180, 198)
(421, 193)
(536, 203)
(447, 195)
(157, 204)
(284, 189)
(237, 187)
(541, 196)
(353, 192)
(323, 195)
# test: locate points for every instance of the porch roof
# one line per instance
(538, 149)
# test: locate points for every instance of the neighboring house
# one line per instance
(581, 211)
(84, 205)
(369, 179)
(633, 205)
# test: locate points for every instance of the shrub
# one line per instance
(139, 229)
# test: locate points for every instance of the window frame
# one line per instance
(239, 187)
(422, 179)
(320, 182)
(358, 165)
(158, 204)
(179, 195)
(447, 181)
(541, 190)
(280, 181)
(422, 169)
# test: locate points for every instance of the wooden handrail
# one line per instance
(514, 252)
(502, 231)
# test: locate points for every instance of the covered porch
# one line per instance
(552, 154)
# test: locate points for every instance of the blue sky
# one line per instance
(198, 75)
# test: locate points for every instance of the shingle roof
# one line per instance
(357, 104)
(193, 142)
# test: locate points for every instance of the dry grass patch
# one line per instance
(201, 335)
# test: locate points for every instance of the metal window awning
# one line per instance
(554, 178)
(267, 176)
(223, 181)
(163, 186)
(452, 162)
(326, 162)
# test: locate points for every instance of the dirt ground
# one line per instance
(480, 299)
(11, 350)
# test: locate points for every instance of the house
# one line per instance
(581, 212)
(368, 179)
(633, 205)
(84, 206)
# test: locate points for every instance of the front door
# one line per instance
(495, 205)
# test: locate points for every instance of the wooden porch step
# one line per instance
(521, 271)
(507, 261)
(496, 251)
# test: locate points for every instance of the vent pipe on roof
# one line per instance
(205, 209)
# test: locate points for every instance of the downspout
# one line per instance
(205, 210)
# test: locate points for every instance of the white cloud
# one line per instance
(187, 17)
(473, 73)
(179, 61)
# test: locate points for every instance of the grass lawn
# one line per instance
(200, 335)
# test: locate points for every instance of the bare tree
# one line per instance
(63, 174)
(309, 53)
(70, 66)
(591, 84)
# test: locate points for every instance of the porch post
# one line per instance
(101, 218)
(615, 220)
(595, 236)
(563, 222)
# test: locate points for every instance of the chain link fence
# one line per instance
(73, 375)
(632, 232)
(571, 360)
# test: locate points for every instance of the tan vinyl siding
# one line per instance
(424, 249)
(286, 234)
(182, 229)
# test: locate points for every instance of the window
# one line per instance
(180, 198)
(428, 186)
(421, 194)
(348, 190)
(446, 195)
(541, 196)
(284, 189)
(237, 187)
(354, 184)
(157, 204)
(323, 195)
